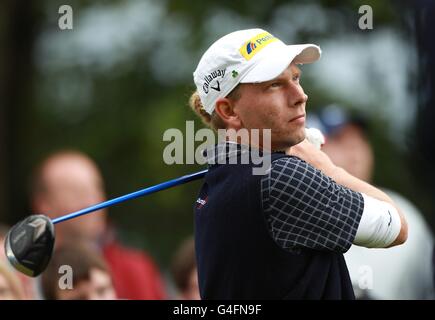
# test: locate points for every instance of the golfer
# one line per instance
(282, 234)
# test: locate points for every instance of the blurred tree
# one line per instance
(112, 85)
(18, 27)
(423, 152)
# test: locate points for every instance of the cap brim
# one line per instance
(277, 60)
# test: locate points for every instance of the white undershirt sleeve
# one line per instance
(379, 226)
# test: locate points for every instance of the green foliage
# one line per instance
(118, 112)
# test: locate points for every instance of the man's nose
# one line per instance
(297, 95)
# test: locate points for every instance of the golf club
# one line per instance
(29, 243)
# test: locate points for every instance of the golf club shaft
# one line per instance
(133, 195)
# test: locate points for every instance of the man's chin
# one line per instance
(301, 139)
(296, 139)
(284, 142)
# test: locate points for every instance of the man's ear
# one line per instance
(225, 109)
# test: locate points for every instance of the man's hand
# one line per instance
(312, 155)
(315, 136)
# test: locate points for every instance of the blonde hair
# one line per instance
(212, 120)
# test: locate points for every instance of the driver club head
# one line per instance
(29, 244)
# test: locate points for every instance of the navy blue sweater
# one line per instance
(238, 258)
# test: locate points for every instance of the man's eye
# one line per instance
(275, 84)
(296, 77)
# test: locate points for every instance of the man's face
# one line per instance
(98, 287)
(278, 105)
(192, 290)
(6, 292)
(73, 183)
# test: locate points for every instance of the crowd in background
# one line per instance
(104, 268)
(114, 83)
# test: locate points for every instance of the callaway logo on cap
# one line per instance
(245, 56)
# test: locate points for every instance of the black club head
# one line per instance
(29, 244)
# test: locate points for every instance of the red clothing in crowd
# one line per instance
(135, 275)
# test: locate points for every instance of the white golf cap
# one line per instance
(245, 56)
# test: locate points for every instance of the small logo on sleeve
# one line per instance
(201, 202)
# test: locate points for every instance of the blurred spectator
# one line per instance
(90, 276)
(67, 181)
(184, 271)
(402, 272)
(27, 283)
(10, 286)
(3, 231)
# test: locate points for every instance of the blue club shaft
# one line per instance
(133, 195)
